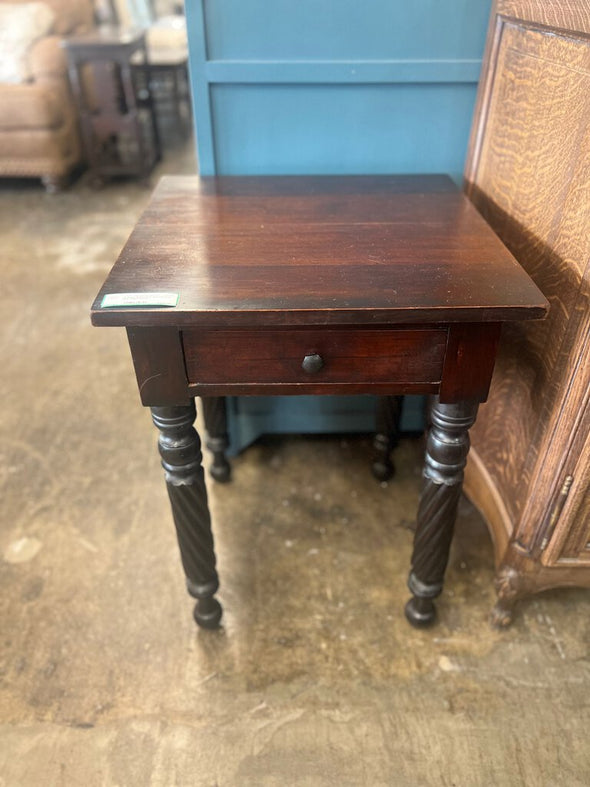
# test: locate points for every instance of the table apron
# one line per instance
(173, 365)
(338, 356)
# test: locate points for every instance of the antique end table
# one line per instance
(314, 285)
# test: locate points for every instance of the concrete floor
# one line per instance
(315, 679)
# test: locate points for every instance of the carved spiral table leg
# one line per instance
(387, 416)
(215, 414)
(446, 455)
(180, 449)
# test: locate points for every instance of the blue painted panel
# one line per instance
(357, 72)
(297, 129)
(200, 98)
(251, 416)
(331, 86)
(345, 29)
(332, 42)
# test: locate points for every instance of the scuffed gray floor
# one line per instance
(315, 679)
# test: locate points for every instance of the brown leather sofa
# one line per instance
(39, 134)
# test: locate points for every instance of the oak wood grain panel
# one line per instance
(527, 192)
(559, 14)
(574, 523)
(570, 536)
(528, 172)
(481, 489)
(217, 356)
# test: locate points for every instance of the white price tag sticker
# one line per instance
(118, 299)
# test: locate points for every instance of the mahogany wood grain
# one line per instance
(397, 388)
(469, 361)
(159, 366)
(528, 172)
(317, 251)
(347, 355)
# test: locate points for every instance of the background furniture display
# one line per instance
(39, 134)
(166, 66)
(165, 32)
(118, 127)
(413, 304)
(336, 87)
(528, 172)
(165, 71)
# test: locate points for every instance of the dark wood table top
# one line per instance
(316, 250)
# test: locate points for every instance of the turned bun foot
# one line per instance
(207, 613)
(420, 612)
(382, 470)
(388, 413)
(220, 470)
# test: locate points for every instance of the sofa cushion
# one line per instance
(71, 16)
(31, 106)
(20, 26)
(48, 59)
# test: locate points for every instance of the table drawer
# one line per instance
(302, 356)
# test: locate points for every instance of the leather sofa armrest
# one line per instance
(48, 59)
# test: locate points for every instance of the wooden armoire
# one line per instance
(528, 172)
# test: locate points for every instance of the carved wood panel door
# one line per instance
(568, 541)
(528, 172)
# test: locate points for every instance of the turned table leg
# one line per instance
(215, 416)
(387, 418)
(446, 454)
(180, 449)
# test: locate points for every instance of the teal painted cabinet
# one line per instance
(333, 87)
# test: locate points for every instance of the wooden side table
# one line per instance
(119, 129)
(268, 285)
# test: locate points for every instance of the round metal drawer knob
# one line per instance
(312, 364)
